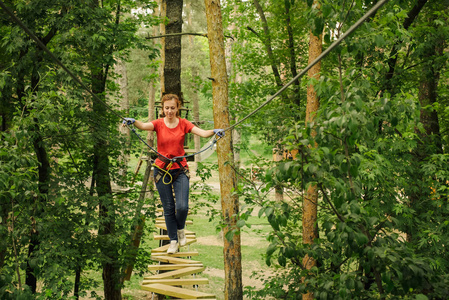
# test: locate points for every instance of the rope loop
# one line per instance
(166, 172)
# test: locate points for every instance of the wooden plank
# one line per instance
(177, 254)
(174, 260)
(177, 273)
(177, 292)
(178, 282)
(163, 250)
(166, 238)
(171, 266)
(164, 227)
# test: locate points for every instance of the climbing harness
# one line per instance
(209, 145)
(164, 171)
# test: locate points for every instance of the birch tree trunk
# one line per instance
(228, 181)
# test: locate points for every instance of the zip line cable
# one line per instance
(321, 56)
(211, 144)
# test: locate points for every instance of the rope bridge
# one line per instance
(175, 273)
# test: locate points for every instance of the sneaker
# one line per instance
(173, 248)
(182, 237)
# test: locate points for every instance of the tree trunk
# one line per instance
(291, 47)
(172, 63)
(430, 140)
(309, 222)
(43, 182)
(111, 270)
(228, 181)
(266, 40)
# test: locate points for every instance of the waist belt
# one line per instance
(164, 171)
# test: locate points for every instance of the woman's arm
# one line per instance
(201, 132)
(144, 126)
(141, 125)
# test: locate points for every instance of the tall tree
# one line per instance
(172, 47)
(310, 202)
(228, 180)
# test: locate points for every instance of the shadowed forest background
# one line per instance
(345, 175)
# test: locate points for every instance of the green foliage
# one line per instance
(382, 222)
(47, 117)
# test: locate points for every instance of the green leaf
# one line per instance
(271, 248)
(241, 223)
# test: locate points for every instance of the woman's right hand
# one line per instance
(128, 121)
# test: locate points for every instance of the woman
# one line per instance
(172, 176)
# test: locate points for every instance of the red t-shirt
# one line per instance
(170, 141)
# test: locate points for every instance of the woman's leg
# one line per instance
(168, 203)
(181, 188)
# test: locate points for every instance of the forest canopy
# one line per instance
(375, 150)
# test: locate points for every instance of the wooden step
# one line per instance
(163, 249)
(171, 266)
(177, 292)
(164, 227)
(166, 238)
(178, 281)
(177, 254)
(177, 273)
(189, 240)
(173, 260)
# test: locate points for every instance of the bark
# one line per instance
(111, 269)
(310, 229)
(228, 181)
(111, 277)
(172, 63)
(43, 173)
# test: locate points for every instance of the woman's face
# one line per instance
(171, 108)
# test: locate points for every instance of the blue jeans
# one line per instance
(175, 212)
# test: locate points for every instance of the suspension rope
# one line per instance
(321, 56)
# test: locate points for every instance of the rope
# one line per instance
(176, 157)
(321, 56)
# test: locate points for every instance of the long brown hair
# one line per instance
(168, 97)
